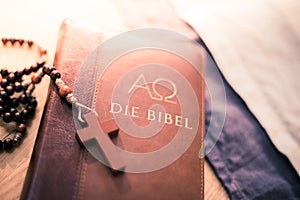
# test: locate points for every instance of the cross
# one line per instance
(94, 132)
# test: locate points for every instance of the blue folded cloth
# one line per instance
(244, 158)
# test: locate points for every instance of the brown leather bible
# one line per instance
(62, 169)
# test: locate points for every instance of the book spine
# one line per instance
(56, 162)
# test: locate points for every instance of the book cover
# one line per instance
(62, 169)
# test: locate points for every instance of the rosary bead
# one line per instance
(7, 117)
(45, 69)
(26, 85)
(23, 134)
(27, 70)
(31, 109)
(55, 75)
(23, 99)
(25, 114)
(4, 72)
(21, 41)
(40, 64)
(34, 68)
(18, 137)
(8, 144)
(19, 74)
(14, 102)
(21, 128)
(48, 69)
(11, 77)
(9, 90)
(13, 41)
(17, 140)
(4, 41)
(30, 43)
(13, 110)
(36, 78)
(2, 102)
(33, 102)
(18, 87)
(3, 95)
(2, 109)
(17, 117)
(4, 83)
(64, 91)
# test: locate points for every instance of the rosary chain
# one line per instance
(17, 103)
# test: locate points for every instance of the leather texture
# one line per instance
(61, 169)
(183, 179)
(55, 167)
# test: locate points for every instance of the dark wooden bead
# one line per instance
(4, 41)
(13, 41)
(2, 102)
(55, 75)
(34, 68)
(51, 68)
(21, 128)
(25, 115)
(23, 134)
(8, 144)
(19, 74)
(9, 90)
(30, 43)
(35, 78)
(18, 87)
(18, 137)
(25, 86)
(21, 41)
(4, 72)
(17, 117)
(15, 102)
(7, 117)
(48, 69)
(4, 83)
(27, 70)
(11, 77)
(40, 64)
(33, 102)
(23, 121)
(31, 110)
(13, 110)
(23, 99)
(45, 69)
(2, 109)
(3, 95)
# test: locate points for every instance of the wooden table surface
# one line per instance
(40, 21)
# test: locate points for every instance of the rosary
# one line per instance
(17, 103)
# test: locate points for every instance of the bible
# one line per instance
(62, 169)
